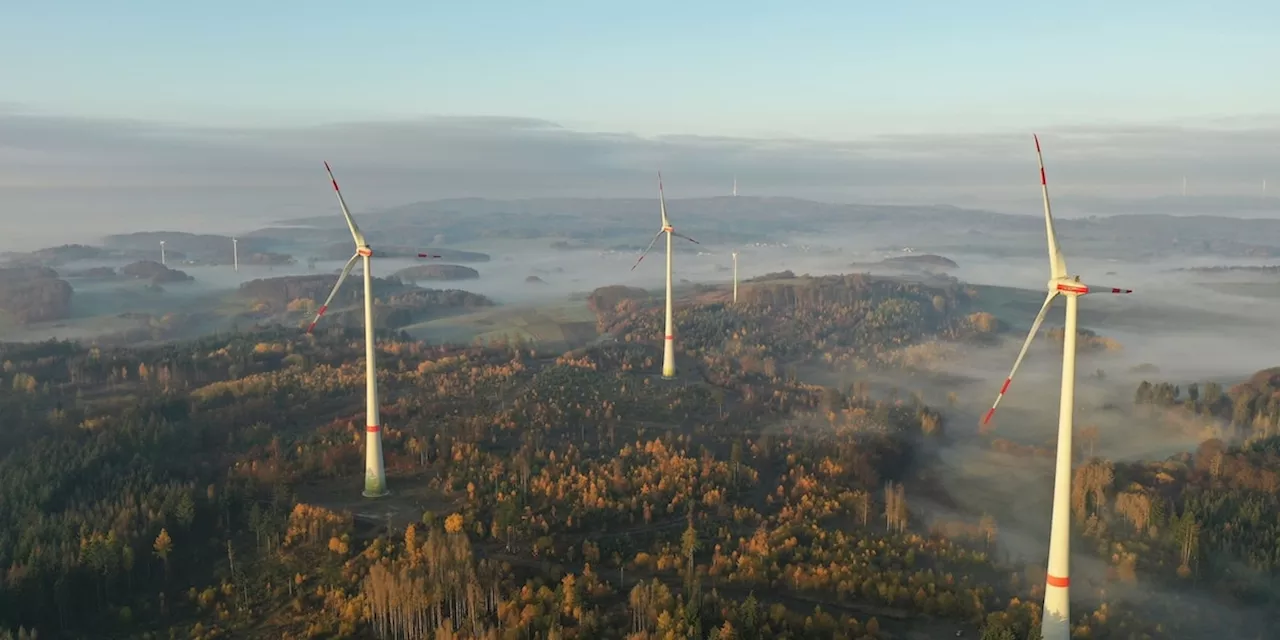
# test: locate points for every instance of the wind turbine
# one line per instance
(162, 261)
(1055, 624)
(735, 277)
(669, 344)
(735, 186)
(235, 253)
(375, 476)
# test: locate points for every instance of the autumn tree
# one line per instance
(1187, 532)
(163, 547)
(895, 507)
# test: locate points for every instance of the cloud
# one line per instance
(512, 157)
(69, 178)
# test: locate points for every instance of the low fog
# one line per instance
(1189, 325)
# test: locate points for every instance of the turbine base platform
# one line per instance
(368, 494)
(669, 377)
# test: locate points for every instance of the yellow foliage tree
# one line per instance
(337, 546)
(163, 546)
(453, 524)
(301, 304)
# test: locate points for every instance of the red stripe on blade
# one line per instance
(987, 418)
(1055, 581)
(1005, 388)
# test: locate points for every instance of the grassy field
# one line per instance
(564, 324)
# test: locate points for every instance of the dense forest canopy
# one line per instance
(33, 294)
(209, 488)
(154, 271)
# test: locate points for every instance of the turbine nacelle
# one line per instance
(667, 227)
(363, 250)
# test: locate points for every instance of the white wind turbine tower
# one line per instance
(1055, 624)
(735, 277)
(669, 345)
(235, 253)
(735, 186)
(375, 477)
(162, 260)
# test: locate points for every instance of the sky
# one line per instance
(822, 69)
(215, 117)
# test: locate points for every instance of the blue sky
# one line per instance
(815, 69)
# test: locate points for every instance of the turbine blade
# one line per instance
(662, 201)
(648, 249)
(1026, 344)
(337, 285)
(1082, 288)
(1057, 264)
(346, 213)
(681, 235)
(428, 255)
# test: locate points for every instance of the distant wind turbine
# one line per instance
(235, 253)
(1055, 624)
(735, 186)
(162, 260)
(375, 477)
(669, 344)
(735, 277)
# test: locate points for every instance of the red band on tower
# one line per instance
(1055, 581)
(671, 337)
(373, 428)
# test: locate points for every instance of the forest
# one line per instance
(33, 294)
(209, 488)
(291, 298)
